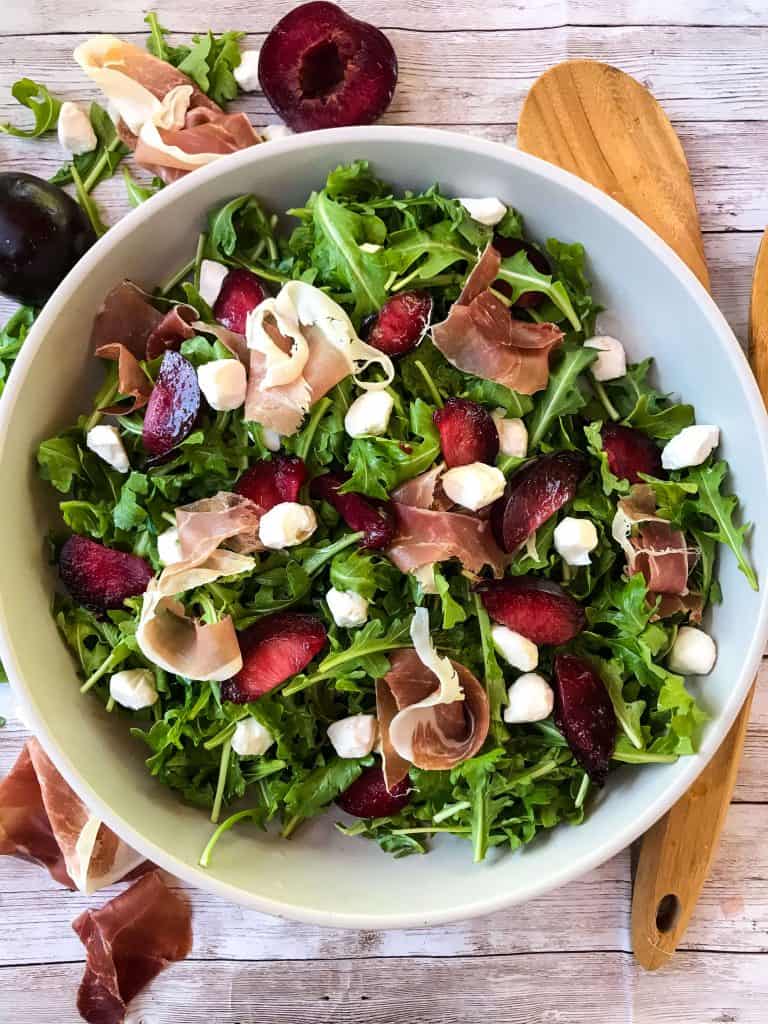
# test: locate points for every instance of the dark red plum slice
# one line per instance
(241, 292)
(274, 649)
(534, 493)
(400, 324)
(100, 577)
(272, 481)
(584, 715)
(631, 452)
(375, 518)
(321, 68)
(173, 406)
(368, 796)
(538, 260)
(467, 433)
(536, 608)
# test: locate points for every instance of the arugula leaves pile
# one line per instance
(361, 242)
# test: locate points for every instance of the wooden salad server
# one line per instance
(600, 124)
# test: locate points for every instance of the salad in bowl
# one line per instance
(367, 514)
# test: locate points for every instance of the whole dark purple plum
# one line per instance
(43, 233)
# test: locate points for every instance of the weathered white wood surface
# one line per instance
(564, 958)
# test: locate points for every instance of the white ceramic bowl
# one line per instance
(656, 307)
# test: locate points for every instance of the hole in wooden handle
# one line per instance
(667, 912)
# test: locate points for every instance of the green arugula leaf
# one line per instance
(611, 483)
(319, 788)
(563, 395)
(102, 161)
(520, 274)
(35, 97)
(628, 713)
(12, 336)
(721, 509)
(363, 572)
(453, 611)
(138, 194)
(379, 464)
(209, 61)
(493, 676)
(59, 462)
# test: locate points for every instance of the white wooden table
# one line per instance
(564, 958)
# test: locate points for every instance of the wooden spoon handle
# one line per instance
(602, 125)
(677, 853)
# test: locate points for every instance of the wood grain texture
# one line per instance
(599, 123)
(562, 959)
(758, 318)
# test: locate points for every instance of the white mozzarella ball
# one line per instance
(247, 71)
(354, 736)
(133, 688)
(286, 525)
(105, 441)
(223, 382)
(369, 414)
(574, 539)
(474, 486)
(251, 739)
(693, 653)
(513, 435)
(370, 247)
(488, 211)
(611, 362)
(75, 131)
(347, 608)
(273, 132)
(529, 699)
(690, 447)
(169, 546)
(520, 652)
(271, 439)
(212, 274)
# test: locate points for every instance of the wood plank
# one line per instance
(429, 16)
(726, 160)
(33, 905)
(695, 73)
(698, 988)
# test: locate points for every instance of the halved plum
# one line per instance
(368, 796)
(536, 608)
(241, 292)
(269, 482)
(321, 68)
(100, 577)
(467, 433)
(538, 260)
(400, 324)
(375, 518)
(534, 493)
(631, 452)
(584, 715)
(173, 406)
(274, 649)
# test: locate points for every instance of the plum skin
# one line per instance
(43, 233)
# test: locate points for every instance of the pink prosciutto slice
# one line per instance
(44, 821)
(128, 942)
(424, 490)
(204, 131)
(189, 130)
(656, 549)
(424, 536)
(446, 734)
(282, 408)
(126, 317)
(480, 337)
(174, 328)
(225, 518)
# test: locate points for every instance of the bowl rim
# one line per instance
(732, 351)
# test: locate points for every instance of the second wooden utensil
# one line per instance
(602, 125)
